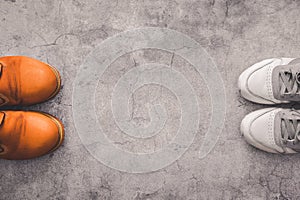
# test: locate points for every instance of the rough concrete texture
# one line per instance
(235, 33)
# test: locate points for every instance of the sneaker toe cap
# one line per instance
(257, 128)
(252, 83)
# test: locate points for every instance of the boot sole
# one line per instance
(58, 78)
(61, 132)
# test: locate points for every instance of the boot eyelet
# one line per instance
(2, 149)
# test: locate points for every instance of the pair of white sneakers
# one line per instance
(272, 81)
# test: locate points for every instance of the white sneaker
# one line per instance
(272, 81)
(275, 130)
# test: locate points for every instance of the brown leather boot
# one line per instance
(27, 134)
(26, 81)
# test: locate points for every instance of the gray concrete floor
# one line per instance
(235, 33)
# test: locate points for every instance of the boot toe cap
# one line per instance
(39, 134)
(42, 83)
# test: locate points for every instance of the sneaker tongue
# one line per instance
(278, 84)
(2, 116)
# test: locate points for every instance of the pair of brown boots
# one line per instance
(26, 134)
